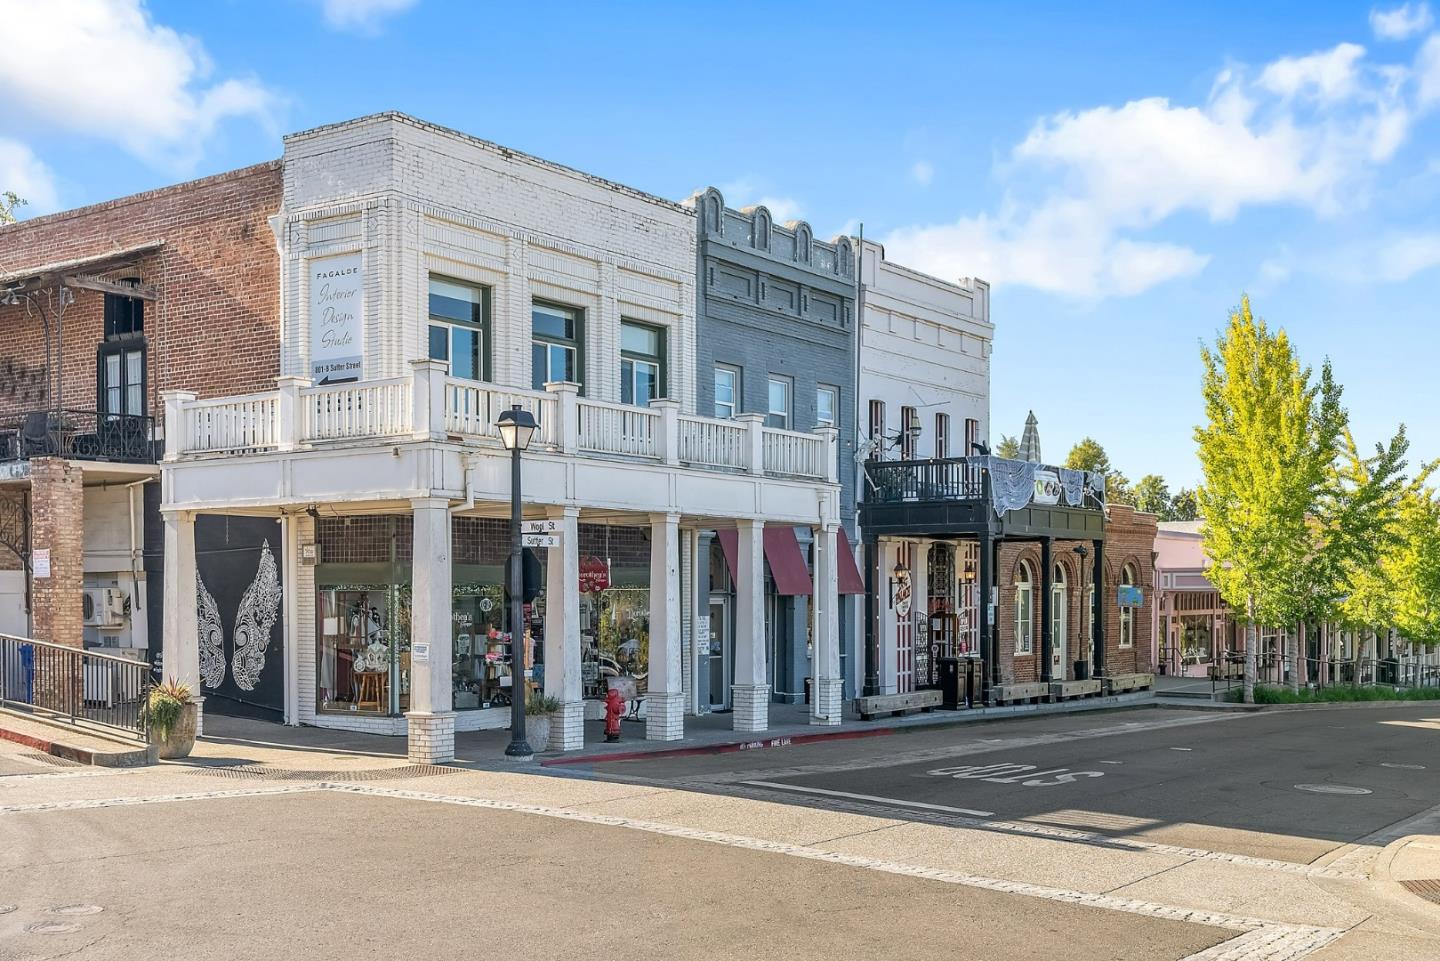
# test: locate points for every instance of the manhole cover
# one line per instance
(77, 909)
(1428, 889)
(1404, 767)
(52, 927)
(50, 759)
(1332, 789)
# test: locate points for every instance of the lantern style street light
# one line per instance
(516, 426)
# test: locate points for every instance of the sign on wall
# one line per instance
(336, 305)
(1130, 596)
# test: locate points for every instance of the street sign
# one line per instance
(540, 527)
(539, 540)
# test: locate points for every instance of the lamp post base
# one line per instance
(519, 750)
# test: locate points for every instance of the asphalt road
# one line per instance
(1288, 786)
(325, 875)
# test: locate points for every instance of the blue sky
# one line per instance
(1120, 174)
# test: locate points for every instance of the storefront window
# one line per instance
(614, 609)
(479, 605)
(364, 649)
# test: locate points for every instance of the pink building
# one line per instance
(1192, 624)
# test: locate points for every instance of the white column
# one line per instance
(181, 619)
(885, 557)
(664, 697)
(827, 697)
(289, 621)
(751, 690)
(562, 632)
(431, 717)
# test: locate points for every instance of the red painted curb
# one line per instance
(52, 748)
(729, 747)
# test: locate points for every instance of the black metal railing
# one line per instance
(80, 435)
(953, 478)
(74, 685)
(1279, 670)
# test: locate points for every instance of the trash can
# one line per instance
(970, 681)
(949, 683)
(1082, 670)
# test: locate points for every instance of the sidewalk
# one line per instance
(229, 739)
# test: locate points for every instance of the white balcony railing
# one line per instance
(428, 405)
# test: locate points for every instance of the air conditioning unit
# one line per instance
(105, 607)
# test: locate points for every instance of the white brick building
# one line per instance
(429, 281)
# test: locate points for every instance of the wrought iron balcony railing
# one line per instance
(1009, 484)
(79, 435)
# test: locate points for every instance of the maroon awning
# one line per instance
(782, 553)
(849, 574)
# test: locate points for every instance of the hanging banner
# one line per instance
(1047, 487)
(337, 300)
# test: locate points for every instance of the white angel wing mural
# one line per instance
(212, 636)
(259, 607)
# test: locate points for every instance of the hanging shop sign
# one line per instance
(1047, 487)
(337, 297)
(900, 585)
(594, 575)
(1130, 596)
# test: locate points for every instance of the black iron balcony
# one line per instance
(79, 435)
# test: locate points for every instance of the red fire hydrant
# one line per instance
(614, 707)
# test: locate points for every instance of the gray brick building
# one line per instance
(775, 336)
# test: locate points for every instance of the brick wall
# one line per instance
(57, 510)
(214, 328)
(1129, 539)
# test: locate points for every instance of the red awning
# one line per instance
(782, 552)
(849, 574)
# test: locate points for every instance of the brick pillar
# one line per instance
(57, 522)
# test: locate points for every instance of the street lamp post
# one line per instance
(516, 427)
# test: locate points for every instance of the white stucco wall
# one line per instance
(925, 343)
(414, 198)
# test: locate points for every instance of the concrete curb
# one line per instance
(125, 755)
(1316, 706)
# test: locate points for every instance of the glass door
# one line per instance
(721, 650)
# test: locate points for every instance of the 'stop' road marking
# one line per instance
(802, 789)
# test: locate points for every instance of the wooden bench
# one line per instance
(1065, 690)
(1012, 693)
(872, 707)
(1120, 683)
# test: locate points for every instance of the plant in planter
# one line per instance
(170, 719)
(538, 711)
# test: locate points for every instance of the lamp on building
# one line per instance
(516, 426)
(897, 574)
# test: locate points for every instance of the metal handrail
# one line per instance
(73, 684)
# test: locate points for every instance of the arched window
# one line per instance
(1127, 613)
(1059, 617)
(1090, 624)
(1024, 611)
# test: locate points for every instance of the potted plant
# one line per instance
(538, 711)
(170, 719)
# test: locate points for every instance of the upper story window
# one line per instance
(459, 331)
(877, 428)
(1127, 613)
(908, 419)
(972, 436)
(1024, 611)
(779, 411)
(642, 363)
(827, 407)
(727, 391)
(124, 316)
(121, 378)
(942, 435)
(556, 335)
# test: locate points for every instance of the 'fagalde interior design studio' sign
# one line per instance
(336, 301)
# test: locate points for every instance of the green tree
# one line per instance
(1414, 568)
(1152, 495)
(1267, 448)
(1008, 447)
(1088, 455)
(8, 203)
(1183, 506)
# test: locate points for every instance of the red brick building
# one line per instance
(103, 309)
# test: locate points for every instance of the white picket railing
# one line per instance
(617, 429)
(249, 422)
(712, 443)
(375, 408)
(471, 408)
(793, 453)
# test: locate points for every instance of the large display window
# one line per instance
(364, 649)
(614, 609)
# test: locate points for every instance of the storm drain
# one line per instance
(1428, 889)
(262, 772)
(50, 759)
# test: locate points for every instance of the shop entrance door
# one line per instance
(721, 653)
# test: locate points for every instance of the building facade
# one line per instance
(776, 335)
(105, 308)
(429, 281)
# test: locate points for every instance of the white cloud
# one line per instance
(363, 16)
(747, 193)
(104, 68)
(22, 173)
(1083, 188)
(1427, 72)
(1330, 74)
(1404, 256)
(922, 172)
(1402, 22)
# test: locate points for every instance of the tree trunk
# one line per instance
(1324, 653)
(1249, 684)
(1299, 672)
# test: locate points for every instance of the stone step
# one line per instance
(63, 740)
